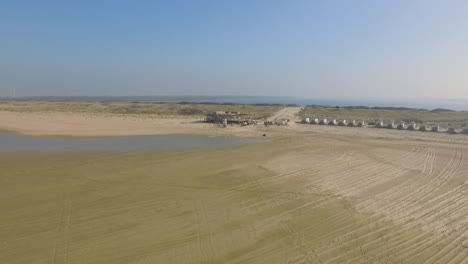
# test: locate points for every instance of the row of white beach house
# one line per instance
(433, 127)
(334, 122)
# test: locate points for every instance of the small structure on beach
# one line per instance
(343, 122)
(324, 121)
(452, 130)
(413, 126)
(333, 122)
(435, 128)
(465, 130)
(306, 120)
(424, 127)
(281, 121)
(314, 121)
(379, 124)
(390, 125)
(361, 123)
(352, 123)
(231, 117)
(401, 125)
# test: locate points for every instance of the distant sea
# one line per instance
(453, 104)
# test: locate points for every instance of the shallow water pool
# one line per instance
(9, 142)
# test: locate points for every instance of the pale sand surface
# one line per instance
(76, 124)
(314, 194)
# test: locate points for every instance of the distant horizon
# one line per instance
(415, 103)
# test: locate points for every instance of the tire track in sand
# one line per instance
(61, 249)
(204, 235)
(451, 168)
(416, 248)
(308, 253)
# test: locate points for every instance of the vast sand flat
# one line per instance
(314, 194)
(85, 124)
(78, 124)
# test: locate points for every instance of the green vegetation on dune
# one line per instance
(442, 117)
(140, 109)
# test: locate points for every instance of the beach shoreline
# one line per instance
(339, 189)
(57, 124)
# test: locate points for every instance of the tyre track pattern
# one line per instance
(415, 203)
(61, 251)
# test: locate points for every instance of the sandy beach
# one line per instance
(234, 132)
(313, 194)
(73, 124)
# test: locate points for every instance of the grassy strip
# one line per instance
(141, 109)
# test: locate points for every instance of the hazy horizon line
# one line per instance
(428, 104)
(242, 96)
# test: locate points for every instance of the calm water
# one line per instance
(132, 143)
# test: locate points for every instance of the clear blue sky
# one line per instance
(327, 49)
